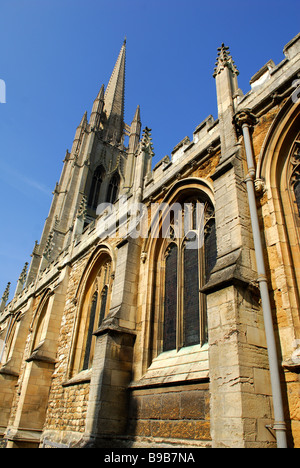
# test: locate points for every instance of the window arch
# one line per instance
(170, 300)
(294, 175)
(97, 180)
(11, 338)
(188, 257)
(93, 308)
(278, 168)
(113, 188)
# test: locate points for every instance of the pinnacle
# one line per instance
(83, 120)
(224, 59)
(5, 297)
(100, 95)
(6, 293)
(137, 115)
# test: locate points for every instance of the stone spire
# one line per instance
(21, 280)
(5, 297)
(97, 110)
(115, 98)
(135, 131)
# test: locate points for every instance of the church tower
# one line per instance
(98, 169)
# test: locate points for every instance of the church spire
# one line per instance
(115, 97)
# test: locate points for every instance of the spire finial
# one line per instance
(6, 293)
(23, 274)
(5, 297)
(224, 60)
(125, 40)
(49, 246)
(146, 142)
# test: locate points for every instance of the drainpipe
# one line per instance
(245, 119)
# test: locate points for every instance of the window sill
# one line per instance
(82, 377)
(176, 368)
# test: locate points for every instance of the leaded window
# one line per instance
(189, 257)
(96, 187)
(295, 173)
(170, 302)
(94, 311)
(113, 188)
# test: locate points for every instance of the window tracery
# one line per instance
(295, 173)
(94, 308)
(97, 180)
(113, 188)
(187, 263)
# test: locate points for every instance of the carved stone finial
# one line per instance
(49, 246)
(35, 249)
(6, 293)
(224, 60)
(82, 210)
(146, 142)
(23, 274)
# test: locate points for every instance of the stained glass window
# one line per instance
(191, 326)
(170, 302)
(187, 267)
(90, 331)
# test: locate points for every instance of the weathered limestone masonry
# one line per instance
(119, 335)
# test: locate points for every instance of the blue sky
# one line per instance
(55, 55)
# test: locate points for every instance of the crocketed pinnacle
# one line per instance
(6, 293)
(224, 60)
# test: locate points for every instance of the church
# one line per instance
(160, 308)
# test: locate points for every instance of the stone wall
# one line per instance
(177, 414)
(67, 404)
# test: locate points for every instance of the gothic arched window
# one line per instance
(191, 299)
(39, 331)
(187, 265)
(170, 302)
(97, 180)
(113, 188)
(89, 337)
(295, 173)
(93, 308)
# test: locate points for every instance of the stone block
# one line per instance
(193, 405)
(170, 406)
(262, 382)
